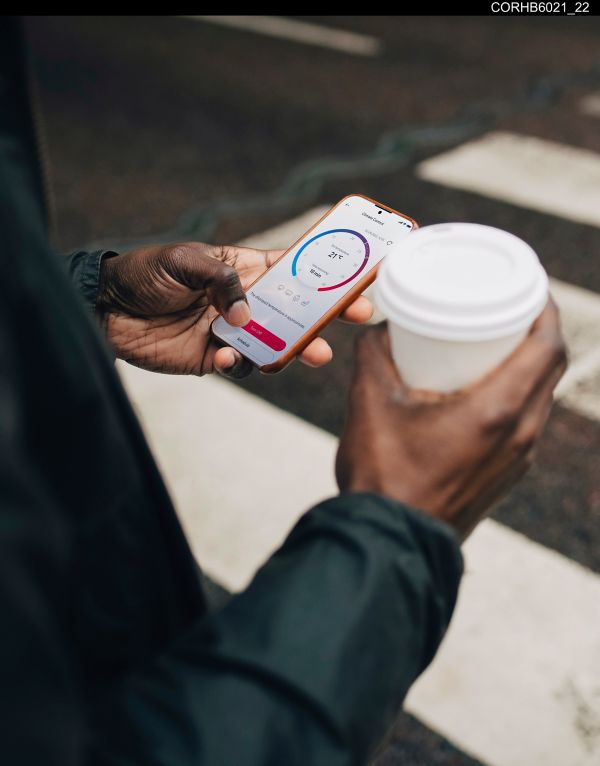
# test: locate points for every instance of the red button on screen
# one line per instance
(258, 331)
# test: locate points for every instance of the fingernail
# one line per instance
(238, 314)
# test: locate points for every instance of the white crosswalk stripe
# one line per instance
(516, 680)
(590, 105)
(531, 172)
(300, 32)
(236, 501)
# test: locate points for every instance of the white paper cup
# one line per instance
(459, 298)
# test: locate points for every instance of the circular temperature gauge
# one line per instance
(331, 259)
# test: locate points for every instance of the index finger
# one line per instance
(358, 312)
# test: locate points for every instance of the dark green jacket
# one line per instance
(107, 652)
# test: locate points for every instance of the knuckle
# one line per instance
(181, 251)
(524, 440)
(499, 417)
(361, 341)
(554, 346)
(561, 354)
(227, 278)
(170, 258)
(179, 259)
(364, 342)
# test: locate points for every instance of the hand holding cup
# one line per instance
(449, 455)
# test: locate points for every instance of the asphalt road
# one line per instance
(151, 118)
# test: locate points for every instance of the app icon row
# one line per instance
(295, 297)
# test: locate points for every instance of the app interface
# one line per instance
(317, 272)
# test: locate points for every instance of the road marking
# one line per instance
(578, 389)
(580, 319)
(300, 32)
(590, 105)
(516, 680)
(582, 386)
(580, 316)
(285, 234)
(531, 172)
(236, 502)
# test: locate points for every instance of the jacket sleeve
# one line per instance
(84, 270)
(311, 663)
(40, 720)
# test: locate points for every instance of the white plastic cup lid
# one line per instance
(462, 282)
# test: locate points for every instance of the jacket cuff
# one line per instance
(360, 577)
(435, 540)
(84, 270)
(371, 506)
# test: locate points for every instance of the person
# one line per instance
(108, 652)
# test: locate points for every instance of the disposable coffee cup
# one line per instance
(459, 298)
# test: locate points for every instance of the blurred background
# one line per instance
(245, 129)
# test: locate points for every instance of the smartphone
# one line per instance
(314, 281)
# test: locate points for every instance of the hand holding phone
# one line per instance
(314, 281)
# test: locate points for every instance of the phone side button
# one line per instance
(256, 352)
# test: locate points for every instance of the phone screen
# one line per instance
(316, 273)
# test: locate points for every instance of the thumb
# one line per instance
(199, 270)
(225, 292)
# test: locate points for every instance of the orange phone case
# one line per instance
(337, 308)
